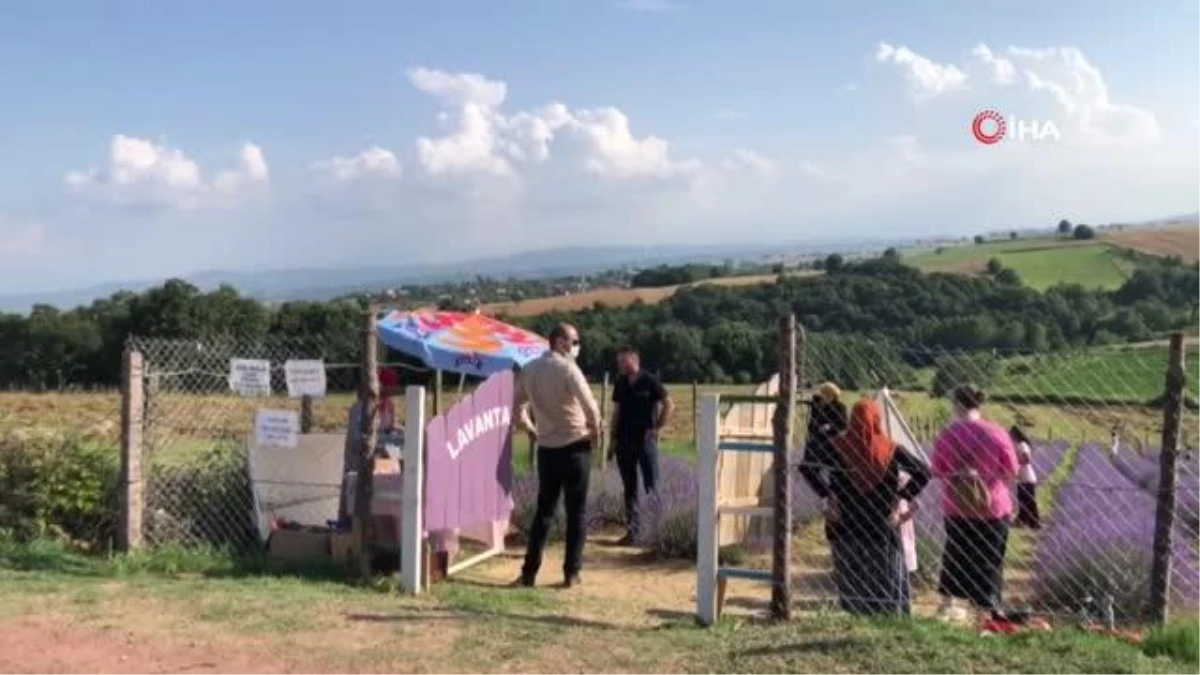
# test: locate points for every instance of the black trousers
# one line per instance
(561, 471)
(973, 561)
(634, 454)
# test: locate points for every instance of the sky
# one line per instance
(142, 140)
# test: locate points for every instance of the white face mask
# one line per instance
(575, 351)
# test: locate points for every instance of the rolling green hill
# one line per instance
(1041, 263)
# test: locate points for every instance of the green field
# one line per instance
(1042, 263)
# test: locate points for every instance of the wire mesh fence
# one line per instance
(1067, 528)
(196, 428)
(1094, 419)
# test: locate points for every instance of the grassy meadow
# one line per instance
(1041, 263)
(174, 611)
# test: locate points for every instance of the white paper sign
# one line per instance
(279, 428)
(305, 377)
(250, 377)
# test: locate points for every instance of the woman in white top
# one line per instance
(1027, 508)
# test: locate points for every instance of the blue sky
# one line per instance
(148, 139)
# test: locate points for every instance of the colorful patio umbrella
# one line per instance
(459, 342)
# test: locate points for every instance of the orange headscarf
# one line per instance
(865, 448)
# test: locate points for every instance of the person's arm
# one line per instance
(942, 451)
(918, 473)
(1008, 463)
(521, 403)
(582, 391)
(841, 418)
(666, 406)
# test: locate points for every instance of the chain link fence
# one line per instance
(196, 428)
(1094, 419)
(1081, 539)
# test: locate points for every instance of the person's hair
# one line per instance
(559, 332)
(969, 396)
(630, 350)
(1018, 435)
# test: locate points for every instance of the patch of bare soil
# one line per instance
(54, 645)
(1181, 241)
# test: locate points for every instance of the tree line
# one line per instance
(865, 320)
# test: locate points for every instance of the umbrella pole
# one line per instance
(462, 379)
(437, 392)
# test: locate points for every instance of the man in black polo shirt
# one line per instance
(641, 408)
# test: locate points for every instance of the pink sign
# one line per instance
(468, 465)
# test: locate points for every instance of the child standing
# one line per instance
(1027, 508)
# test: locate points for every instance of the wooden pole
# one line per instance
(133, 399)
(602, 445)
(784, 426)
(306, 414)
(695, 415)
(368, 397)
(1164, 517)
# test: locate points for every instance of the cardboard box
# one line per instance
(298, 545)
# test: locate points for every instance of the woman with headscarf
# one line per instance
(976, 459)
(862, 503)
(826, 420)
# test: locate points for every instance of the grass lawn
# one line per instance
(175, 612)
(1041, 263)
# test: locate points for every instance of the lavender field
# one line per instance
(1098, 541)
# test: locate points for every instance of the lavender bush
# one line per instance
(1143, 470)
(1098, 543)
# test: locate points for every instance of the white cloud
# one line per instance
(926, 79)
(143, 173)
(1003, 71)
(748, 160)
(374, 162)
(482, 140)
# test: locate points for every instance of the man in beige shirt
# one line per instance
(568, 424)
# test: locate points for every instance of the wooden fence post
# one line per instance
(133, 399)
(784, 425)
(1164, 517)
(306, 414)
(368, 397)
(601, 444)
(695, 416)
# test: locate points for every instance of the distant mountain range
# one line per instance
(329, 283)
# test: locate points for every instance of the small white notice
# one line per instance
(278, 428)
(250, 377)
(305, 377)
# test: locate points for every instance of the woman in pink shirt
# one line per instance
(976, 459)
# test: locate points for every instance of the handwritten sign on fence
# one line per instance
(305, 377)
(250, 377)
(469, 462)
(277, 428)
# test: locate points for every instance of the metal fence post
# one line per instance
(1164, 517)
(784, 424)
(133, 398)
